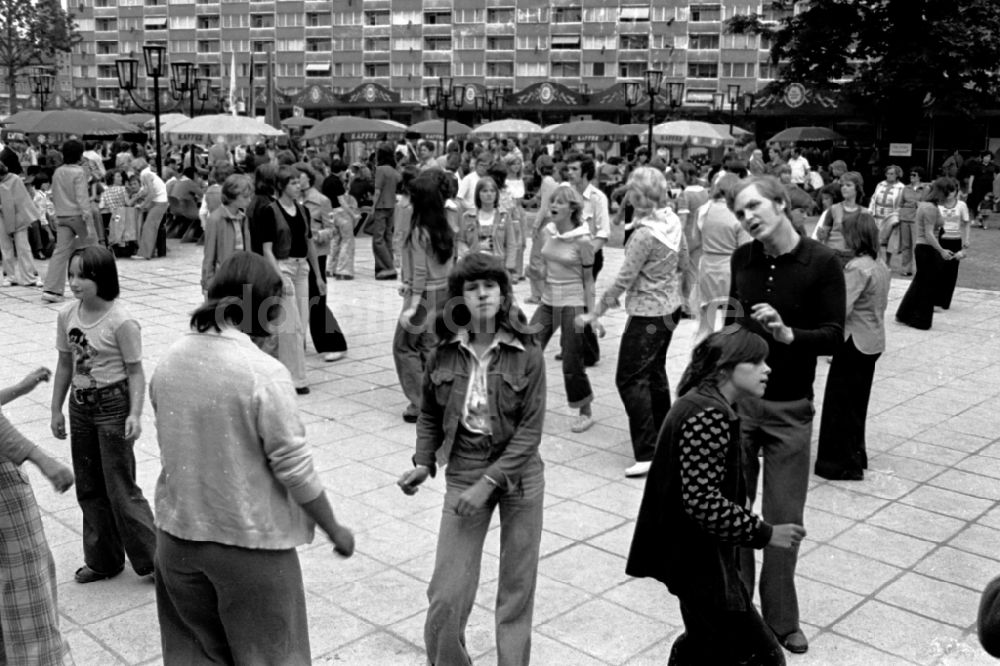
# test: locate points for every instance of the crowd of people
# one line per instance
(724, 243)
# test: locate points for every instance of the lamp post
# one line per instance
(182, 82)
(633, 93)
(440, 97)
(733, 93)
(41, 85)
(128, 70)
(654, 78)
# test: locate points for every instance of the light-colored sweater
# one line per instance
(236, 467)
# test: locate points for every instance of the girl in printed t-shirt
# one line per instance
(100, 367)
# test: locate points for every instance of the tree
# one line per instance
(897, 57)
(32, 32)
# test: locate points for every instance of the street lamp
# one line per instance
(654, 78)
(41, 85)
(438, 98)
(633, 93)
(182, 82)
(733, 93)
(128, 70)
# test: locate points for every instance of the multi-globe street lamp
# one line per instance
(128, 73)
(41, 85)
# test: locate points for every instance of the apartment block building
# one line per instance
(405, 45)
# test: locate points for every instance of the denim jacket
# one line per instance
(516, 389)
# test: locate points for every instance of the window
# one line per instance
(292, 69)
(347, 18)
(208, 46)
(703, 13)
(104, 24)
(631, 70)
(377, 17)
(107, 94)
(736, 41)
(565, 42)
(410, 95)
(236, 45)
(470, 68)
(345, 44)
(182, 46)
(107, 72)
(599, 41)
(130, 24)
(202, 22)
(499, 69)
(566, 14)
(680, 41)
(294, 45)
(469, 15)
(633, 42)
(703, 70)
(594, 69)
(765, 43)
(600, 15)
(262, 20)
(407, 18)
(155, 23)
(737, 70)
(633, 14)
(437, 69)
(437, 43)
(292, 20)
(209, 71)
(532, 69)
(499, 43)
(567, 68)
(405, 68)
(703, 41)
(107, 48)
(531, 42)
(261, 45)
(346, 69)
(81, 71)
(662, 12)
(317, 19)
(228, 21)
(766, 70)
(317, 70)
(471, 42)
(406, 44)
(84, 24)
(774, 14)
(376, 44)
(533, 15)
(500, 15)
(437, 17)
(155, 3)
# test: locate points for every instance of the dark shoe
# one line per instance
(831, 473)
(411, 413)
(386, 276)
(795, 642)
(302, 390)
(86, 575)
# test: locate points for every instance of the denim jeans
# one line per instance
(452, 591)
(642, 381)
(381, 231)
(411, 345)
(781, 433)
(150, 230)
(117, 519)
(291, 337)
(547, 319)
(342, 246)
(71, 234)
(221, 604)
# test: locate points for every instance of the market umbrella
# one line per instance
(799, 134)
(354, 129)
(17, 121)
(79, 122)
(508, 127)
(635, 129)
(688, 133)
(434, 129)
(589, 130)
(299, 121)
(167, 120)
(234, 129)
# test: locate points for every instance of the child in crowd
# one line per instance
(100, 367)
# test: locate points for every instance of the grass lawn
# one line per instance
(981, 268)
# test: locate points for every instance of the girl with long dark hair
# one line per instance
(693, 517)
(481, 414)
(427, 256)
(917, 307)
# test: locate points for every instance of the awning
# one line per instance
(318, 67)
(633, 14)
(544, 96)
(565, 41)
(155, 23)
(798, 100)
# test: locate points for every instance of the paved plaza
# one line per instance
(890, 572)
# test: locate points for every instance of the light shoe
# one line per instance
(582, 423)
(638, 469)
(49, 297)
(6, 283)
(330, 357)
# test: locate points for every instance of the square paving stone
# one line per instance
(883, 545)
(916, 522)
(585, 567)
(957, 566)
(897, 631)
(938, 600)
(579, 521)
(947, 502)
(846, 570)
(605, 630)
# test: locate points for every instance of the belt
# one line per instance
(96, 395)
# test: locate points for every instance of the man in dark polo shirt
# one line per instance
(789, 289)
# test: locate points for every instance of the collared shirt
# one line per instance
(155, 188)
(886, 200)
(867, 283)
(595, 212)
(800, 167)
(806, 287)
(476, 407)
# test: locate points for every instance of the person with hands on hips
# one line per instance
(789, 290)
(100, 368)
(30, 632)
(694, 514)
(481, 414)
